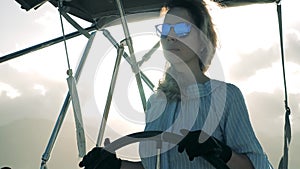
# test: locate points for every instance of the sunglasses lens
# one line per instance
(182, 29)
(165, 30)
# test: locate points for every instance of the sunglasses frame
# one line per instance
(187, 26)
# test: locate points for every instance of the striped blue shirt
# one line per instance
(216, 107)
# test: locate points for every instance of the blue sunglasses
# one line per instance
(181, 29)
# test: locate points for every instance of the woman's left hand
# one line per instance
(198, 143)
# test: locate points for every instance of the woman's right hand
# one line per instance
(99, 158)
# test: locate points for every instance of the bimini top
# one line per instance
(105, 11)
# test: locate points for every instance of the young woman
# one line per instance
(210, 114)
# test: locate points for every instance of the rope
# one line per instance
(69, 72)
(283, 164)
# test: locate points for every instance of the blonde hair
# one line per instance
(169, 86)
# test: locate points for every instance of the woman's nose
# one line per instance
(171, 39)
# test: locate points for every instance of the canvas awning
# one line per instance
(105, 11)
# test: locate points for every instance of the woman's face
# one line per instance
(185, 48)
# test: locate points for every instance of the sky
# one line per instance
(33, 87)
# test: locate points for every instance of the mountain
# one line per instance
(22, 143)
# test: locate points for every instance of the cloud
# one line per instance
(267, 112)
(30, 102)
(8, 91)
(27, 121)
(249, 63)
(293, 46)
(271, 106)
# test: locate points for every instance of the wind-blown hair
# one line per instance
(199, 13)
(203, 21)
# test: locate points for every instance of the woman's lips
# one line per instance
(173, 49)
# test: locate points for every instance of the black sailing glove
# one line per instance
(207, 146)
(99, 158)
